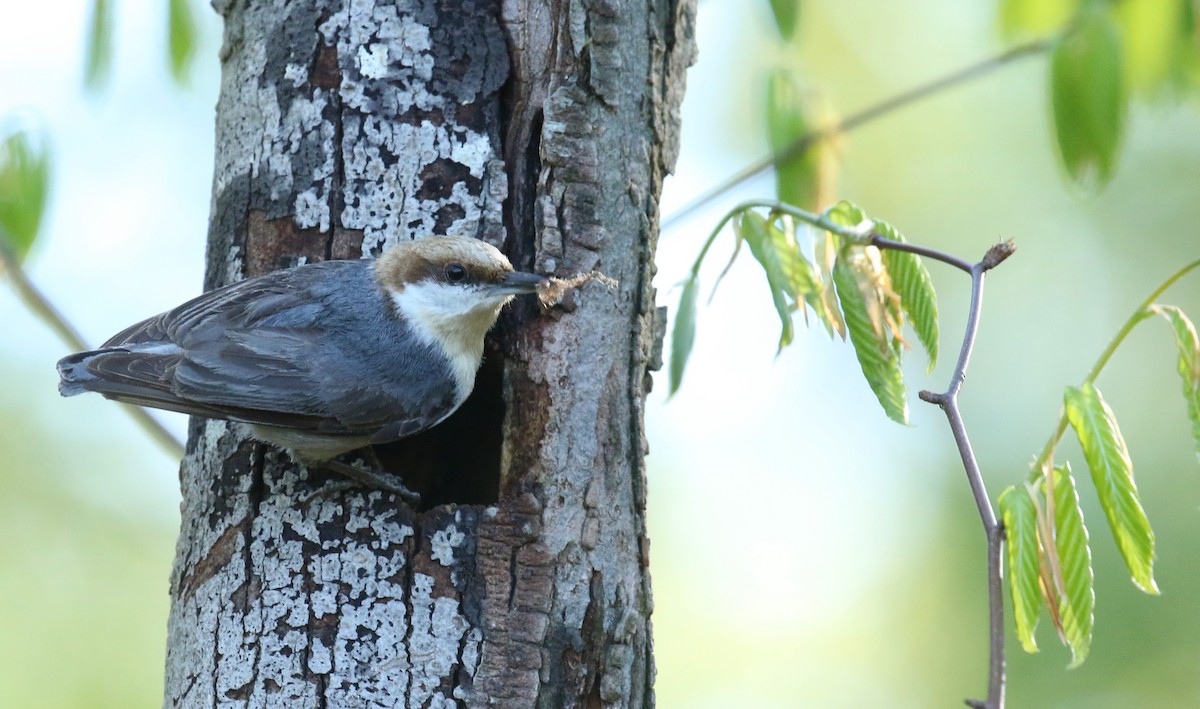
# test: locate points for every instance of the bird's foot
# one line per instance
(359, 477)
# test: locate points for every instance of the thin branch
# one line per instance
(885, 243)
(1140, 313)
(864, 235)
(948, 401)
(41, 306)
(804, 142)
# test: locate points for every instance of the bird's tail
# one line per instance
(73, 373)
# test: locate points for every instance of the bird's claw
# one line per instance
(360, 477)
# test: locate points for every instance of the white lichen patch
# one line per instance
(262, 130)
(320, 659)
(443, 544)
(311, 211)
(373, 61)
(296, 73)
(437, 630)
(380, 191)
(471, 651)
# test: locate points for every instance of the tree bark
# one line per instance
(544, 128)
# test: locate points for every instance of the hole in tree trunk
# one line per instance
(457, 461)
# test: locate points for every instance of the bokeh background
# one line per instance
(806, 551)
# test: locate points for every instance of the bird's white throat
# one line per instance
(452, 317)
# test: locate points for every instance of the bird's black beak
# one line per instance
(517, 282)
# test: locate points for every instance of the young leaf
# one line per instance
(787, 14)
(181, 39)
(911, 282)
(1087, 95)
(780, 259)
(1189, 363)
(825, 250)
(683, 335)
(845, 213)
(823, 302)
(1076, 594)
(1020, 528)
(878, 354)
(98, 58)
(24, 183)
(797, 175)
(1112, 473)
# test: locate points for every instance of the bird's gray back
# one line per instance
(314, 348)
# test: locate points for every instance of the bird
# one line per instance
(319, 359)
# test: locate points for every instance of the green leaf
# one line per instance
(1112, 473)
(1034, 18)
(797, 174)
(1074, 577)
(845, 213)
(1019, 512)
(911, 282)
(181, 42)
(1087, 95)
(1189, 363)
(783, 264)
(825, 250)
(1155, 38)
(683, 335)
(98, 59)
(787, 15)
(24, 184)
(878, 354)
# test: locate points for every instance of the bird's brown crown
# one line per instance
(446, 259)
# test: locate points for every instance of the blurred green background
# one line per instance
(806, 551)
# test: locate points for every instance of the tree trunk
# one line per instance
(544, 128)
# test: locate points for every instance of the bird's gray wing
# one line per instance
(248, 352)
(274, 350)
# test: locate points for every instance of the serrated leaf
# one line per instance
(181, 39)
(878, 355)
(787, 16)
(98, 57)
(1189, 363)
(911, 281)
(24, 184)
(1019, 512)
(1087, 95)
(1074, 577)
(797, 174)
(1112, 473)
(683, 334)
(778, 257)
(1034, 18)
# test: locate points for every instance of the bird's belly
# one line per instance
(307, 447)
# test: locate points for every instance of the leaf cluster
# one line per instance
(840, 277)
(1049, 562)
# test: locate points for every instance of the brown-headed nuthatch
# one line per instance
(323, 358)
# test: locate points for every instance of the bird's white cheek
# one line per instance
(454, 319)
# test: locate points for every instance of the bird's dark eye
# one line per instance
(456, 273)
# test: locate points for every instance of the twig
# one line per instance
(41, 306)
(1139, 314)
(804, 142)
(948, 401)
(863, 234)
